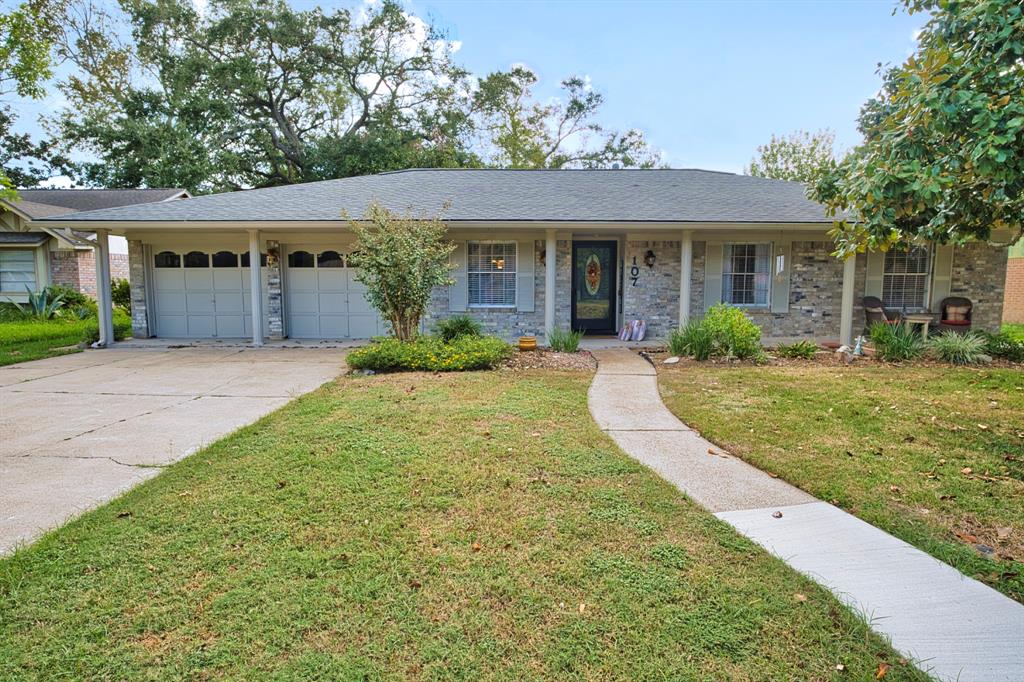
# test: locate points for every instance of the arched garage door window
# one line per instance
(197, 259)
(300, 259)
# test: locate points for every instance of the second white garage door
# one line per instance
(323, 299)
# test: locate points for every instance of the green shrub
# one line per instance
(122, 327)
(72, 297)
(430, 353)
(121, 293)
(896, 342)
(801, 349)
(960, 349)
(733, 334)
(1004, 345)
(565, 341)
(692, 339)
(458, 326)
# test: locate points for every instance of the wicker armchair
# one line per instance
(955, 314)
(874, 311)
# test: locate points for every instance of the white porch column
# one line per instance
(104, 299)
(550, 254)
(685, 276)
(256, 286)
(846, 311)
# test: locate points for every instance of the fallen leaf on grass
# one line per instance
(966, 537)
(840, 667)
(583, 607)
(800, 597)
(477, 547)
(883, 670)
(124, 514)
(966, 471)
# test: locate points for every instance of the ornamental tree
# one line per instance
(943, 152)
(798, 156)
(400, 259)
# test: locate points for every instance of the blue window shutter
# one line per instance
(526, 257)
(780, 278)
(458, 291)
(713, 274)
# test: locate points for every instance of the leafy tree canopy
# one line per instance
(799, 156)
(524, 133)
(26, 33)
(253, 94)
(943, 151)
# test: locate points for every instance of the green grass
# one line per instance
(470, 526)
(1015, 331)
(933, 455)
(24, 340)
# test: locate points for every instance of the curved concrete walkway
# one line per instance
(951, 626)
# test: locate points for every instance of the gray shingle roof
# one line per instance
(35, 210)
(23, 238)
(503, 195)
(93, 199)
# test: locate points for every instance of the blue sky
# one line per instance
(706, 81)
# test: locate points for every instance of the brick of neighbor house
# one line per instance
(76, 269)
(1013, 304)
(137, 281)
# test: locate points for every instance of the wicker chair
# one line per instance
(874, 311)
(955, 314)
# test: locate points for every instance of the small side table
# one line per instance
(923, 319)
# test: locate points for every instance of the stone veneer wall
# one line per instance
(275, 292)
(512, 323)
(76, 269)
(137, 280)
(655, 296)
(979, 273)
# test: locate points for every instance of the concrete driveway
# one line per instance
(80, 429)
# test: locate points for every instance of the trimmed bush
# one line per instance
(960, 349)
(430, 353)
(72, 297)
(458, 326)
(733, 334)
(896, 342)
(692, 339)
(804, 350)
(565, 341)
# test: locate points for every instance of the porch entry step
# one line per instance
(951, 626)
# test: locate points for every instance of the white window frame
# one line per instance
(926, 290)
(514, 273)
(726, 249)
(34, 286)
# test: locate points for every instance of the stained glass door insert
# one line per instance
(593, 286)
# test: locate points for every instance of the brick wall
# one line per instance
(655, 296)
(1013, 307)
(979, 273)
(77, 269)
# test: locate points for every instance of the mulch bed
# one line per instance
(824, 358)
(581, 361)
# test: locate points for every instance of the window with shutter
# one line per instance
(492, 274)
(905, 278)
(746, 274)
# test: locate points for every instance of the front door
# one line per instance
(593, 286)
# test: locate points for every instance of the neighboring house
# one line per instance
(36, 256)
(1013, 311)
(535, 250)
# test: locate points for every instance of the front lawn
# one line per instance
(933, 455)
(22, 340)
(471, 526)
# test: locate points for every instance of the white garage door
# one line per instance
(324, 300)
(203, 295)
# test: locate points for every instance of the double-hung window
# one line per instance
(492, 274)
(746, 274)
(17, 270)
(905, 278)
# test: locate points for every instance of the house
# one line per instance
(535, 250)
(36, 256)
(1013, 312)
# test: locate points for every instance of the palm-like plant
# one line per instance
(41, 304)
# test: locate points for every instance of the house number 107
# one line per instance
(634, 272)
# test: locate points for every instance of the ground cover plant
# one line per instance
(896, 342)
(430, 353)
(932, 454)
(724, 331)
(490, 532)
(23, 339)
(804, 350)
(960, 349)
(565, 340)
